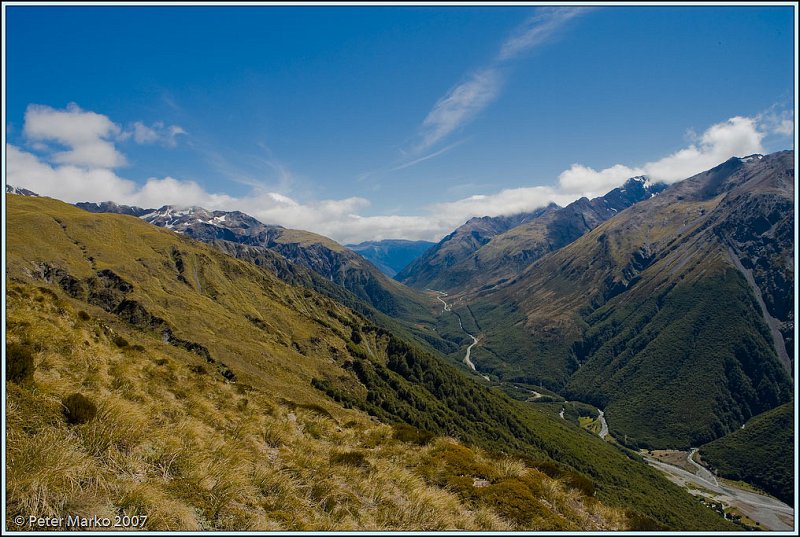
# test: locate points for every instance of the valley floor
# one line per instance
(765, 511)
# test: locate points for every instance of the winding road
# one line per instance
(446, 307)
(469, 350)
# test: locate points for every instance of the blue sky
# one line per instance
(386, 122)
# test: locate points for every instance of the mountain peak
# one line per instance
(751, 158)
(20, 191)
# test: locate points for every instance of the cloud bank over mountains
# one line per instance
(73, 155)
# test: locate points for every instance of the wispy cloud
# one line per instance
(158, 132)
(459, 105)
(427, 157)
(467, 99)
(537, 30)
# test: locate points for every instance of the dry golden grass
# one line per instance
(192, 452)
(176, 442)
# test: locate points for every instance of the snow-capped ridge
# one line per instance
(751, 158)
(20, 191)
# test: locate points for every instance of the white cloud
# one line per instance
(144, 134)
(579, 179)
(506, 202)
(738, 136)
(777, 121)
(157, 133)
(786, 127)
(537, 30)
(89, 136)
(77, 183)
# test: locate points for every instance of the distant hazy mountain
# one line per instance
(391, 255)
(675, 315)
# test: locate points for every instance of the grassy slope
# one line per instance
(438, 401)
(277, 339)
(175, 442)
(760, 454)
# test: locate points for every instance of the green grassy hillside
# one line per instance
(762, 453)
(212, 393)
(673, 372)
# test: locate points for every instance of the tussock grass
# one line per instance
(195, 452)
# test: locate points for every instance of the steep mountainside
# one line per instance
(391, 255)
(760, 453)
(655, 315)
(178, 382)
(510, 251)
(460, 244)
(315, 252)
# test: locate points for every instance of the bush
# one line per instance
(581, 483)
(78, 409)
(355, 336)
(19, 363)
(350, 458)
(412, 435)
(83, 316)
(120, 341)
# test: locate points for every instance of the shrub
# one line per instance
(316, 409)
(581, 483)
(355, 336)
(412, 435)
(120, 341)
(350, 458)
(78, 409)
(83, 316)
(19, 363)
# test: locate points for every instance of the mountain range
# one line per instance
(367, 289)
(661, 303)
(496, 248)
(668, 307)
